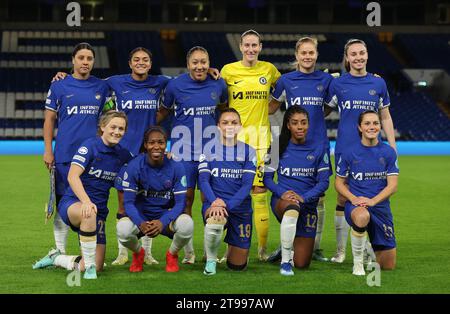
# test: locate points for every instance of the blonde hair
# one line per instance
(348, 44)
(301, 41)
(107, 117)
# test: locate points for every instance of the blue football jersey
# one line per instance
(194, 104)
(229, 171)
(139, 100)
(366, 168)
(308, 90)
(153, 192)
(101, 164)
(78, 104)
(303, 169)
(353, 95)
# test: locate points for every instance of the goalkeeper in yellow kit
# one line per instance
(249, 84)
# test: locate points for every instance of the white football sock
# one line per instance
(342, 228)
(320, 223)
(358, 241)
(183, 228)
(60, 232)
(213, 237)
(88, 251)
(66, 261)
(287, 234)
(147, 244)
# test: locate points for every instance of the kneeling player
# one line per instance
(226, 175)
(303, 173)
(154, 198)
(84, 205)
(373, 179)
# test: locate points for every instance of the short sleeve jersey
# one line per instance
(139, 100)
(194, 104)
(366, 168)
(78, 104)
(101, 164)
(249, 89)
(301, 167)
(353, 95)
(308, 90)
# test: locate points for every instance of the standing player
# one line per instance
(353, 93)
(225, 178)
(367, 176)
(194, 98)
(307, 88)
(303, 173)
(249, 83)
(84, 205)
(154, 199)
(137, 94)
(75, 104)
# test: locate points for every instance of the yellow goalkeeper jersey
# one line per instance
(249, 92)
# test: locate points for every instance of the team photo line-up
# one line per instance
(221, 142)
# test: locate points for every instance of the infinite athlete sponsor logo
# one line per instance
(103, 174)
(82, 110)
(307, 101)
(297, 172)
(227, 173)
(144, 104)
(366, 176)
(358, 104)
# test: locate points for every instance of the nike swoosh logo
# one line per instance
(295, 87)
(71, 95)
(237, 82)
(265, 219)
(125, 92)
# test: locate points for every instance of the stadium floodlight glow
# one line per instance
(422, 83)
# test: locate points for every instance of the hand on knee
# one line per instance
(216, 220)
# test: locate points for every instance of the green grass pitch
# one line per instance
(421, 216)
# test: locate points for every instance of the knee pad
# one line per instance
(87, 236)
(292, 211)
(184, 226)
(236, 267)
(216, 221)
(124, 228)
(359, 229)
